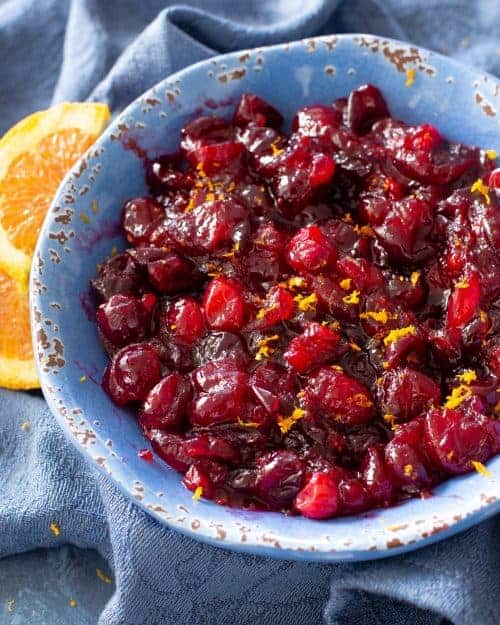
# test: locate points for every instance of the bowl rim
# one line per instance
(407, 537)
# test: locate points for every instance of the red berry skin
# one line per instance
(309, 250)
(376, 477)
(131, 374)
(208, 474)
(170, 447)
(278, 306)
(279, 477)
(170, 274)
(166, 403)
(319, 498)
(316, 345)
(405, 393)
(455, 438)
(125, 318)
(185, 320)
(353, 495)
(138, 215)
(316, 121)
(339, 397)
(212, 447)
(463, 303)
(406, 456)
(254, 110)
(365, 106)
(223, 305)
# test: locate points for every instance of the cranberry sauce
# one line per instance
(310, 322)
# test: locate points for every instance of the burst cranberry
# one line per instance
(319, 499)
(406, 393)
(133, 371)
(138, 215)
(222, 394)
(254, 110)
(316, 345)
(406, 458)
(213, 447)
(223, 305)
(279, 477)
(455, 439)
(353, 496)
(166, 403)
(463, 302)
(170, 447)
(185, 320)
(277, 306)
(207, 475)
(274, 387)
(317, 120)
(119, 275)
(170, 274)
(365, 106)
(376, 476)
(310, 250)
(124, 319)
(339, 397)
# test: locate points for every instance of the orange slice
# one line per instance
(34, 157)
(17, 367)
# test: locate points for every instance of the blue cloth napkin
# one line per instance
(112, 50)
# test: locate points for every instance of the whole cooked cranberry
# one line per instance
(424, 138)
(171, 273)
(132, 373)
(213, 447)
(279, 477)
(208, 227)
(125, 318)
(331, 298)
(362, 273)
(317, 120)
(170, 447)
(339, 397)
(206, 474)
(365, 106)
(222, 346)
(222, 394)
(118, 275)
(494, 179)
(376, 477)
(405, 393)
(278, 306)
(319, 498)
(406, 457)
(254, 110)
(274, 387)
(138, 215)
(205, 130)
(463, 302)
(316, 345)
(184, 320)
(455, 439)
(310, 250)
(353, 496)
(166, 403)
(406, 229)
(223, 305)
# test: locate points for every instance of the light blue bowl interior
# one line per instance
(76, 238)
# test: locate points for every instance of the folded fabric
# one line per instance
(113, 50)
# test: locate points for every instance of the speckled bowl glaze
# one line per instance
(82, 228)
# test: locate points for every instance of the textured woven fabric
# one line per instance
(53, 50)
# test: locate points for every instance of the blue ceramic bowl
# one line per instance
(82, 228)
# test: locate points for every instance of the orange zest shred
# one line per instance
(354, 346)
(306, 302)
(198, 492)
(103, 577)
(382, 316)
(54, 528)
(265, 350)
(345, 284)
(480, 468)
(415, 275)
(352, 298)
(491, 154)
(481, 188)
(361, 400)
(463, 284)
(399, 333)
(410, 76)
(72, 603)
(467, 376)
(286, 423)
(408, 470)
(458, 395)
(276, 150)
(247, 424)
